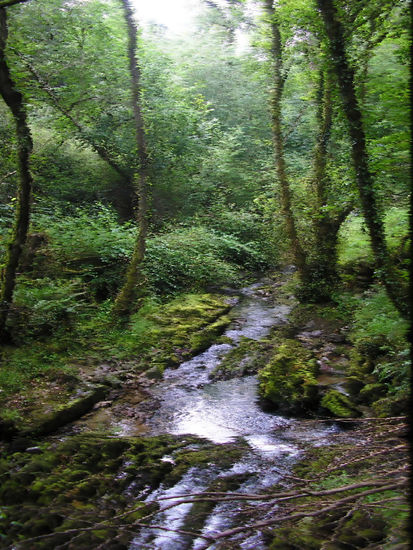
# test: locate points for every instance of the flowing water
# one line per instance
(223, 411)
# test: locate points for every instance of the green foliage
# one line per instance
(197, 257)
(179, 259)
(338, 404)
(377, 322)
(354, 243)
(380, 361)
(66, 171)
(41, 306)
(87, 242)
(86, 233)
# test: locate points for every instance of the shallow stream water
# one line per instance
(223, 411)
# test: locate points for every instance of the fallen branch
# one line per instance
(299, 515)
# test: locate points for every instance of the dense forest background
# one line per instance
(219, 208)
(141, 169)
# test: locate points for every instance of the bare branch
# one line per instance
(299, 515)
(8, 176)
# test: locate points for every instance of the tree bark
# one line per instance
(298, 253)
(321, 273)
(133, 287)
(14, 100)
(345, 76)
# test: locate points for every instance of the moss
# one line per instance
(392, 405)
(223, 456)
(372, 392)
(339, 405)
(288, 380)
(85, 478)
(246, 358)
(202, 339)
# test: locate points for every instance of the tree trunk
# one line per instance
(134, 282)
(14, 100)
(321, 273)
(276, 54)
(364, 178)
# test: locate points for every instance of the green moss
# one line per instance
(244, 359)
(288, 380)
(372, 392)
(202, 339)
(339, 405)
(83, 478)
(392, 405)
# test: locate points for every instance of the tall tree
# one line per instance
(126, 300)
(365, 183)
(14, 100)
(321, 271)
(276, 51)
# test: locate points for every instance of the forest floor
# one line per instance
(351, 494)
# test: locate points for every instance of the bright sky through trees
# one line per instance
(177, 15)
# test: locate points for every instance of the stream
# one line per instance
(225, 411)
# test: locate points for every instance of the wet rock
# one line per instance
(337, 338)
(288, 381)
(33, 450)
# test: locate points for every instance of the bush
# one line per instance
(195, 258)
(89, 243)
(42, 305)
(380, 358)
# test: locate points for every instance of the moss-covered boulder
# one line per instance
(243, 360)
(202, 339)
(288, 381)
(339, 405)
(89, 480)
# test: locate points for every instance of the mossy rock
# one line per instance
(392, 405)
(288, 381)
(92, 478)
(200, 341)
(244, 359)
(372, 392)
(339, 405)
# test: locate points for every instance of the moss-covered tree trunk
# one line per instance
(14, 100)
(132, 289)
(345, 76)
(298, 253)
(320, 275)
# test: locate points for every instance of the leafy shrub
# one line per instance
(380, 358)
(89, 243)
(197, 257)
(42, 305)
(87, 234)
(92, 244)
(377, 320)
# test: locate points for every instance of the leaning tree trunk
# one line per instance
(276, 54)
(14, 100)
(364, 178)
(134, 282)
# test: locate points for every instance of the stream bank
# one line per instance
(203, 432)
